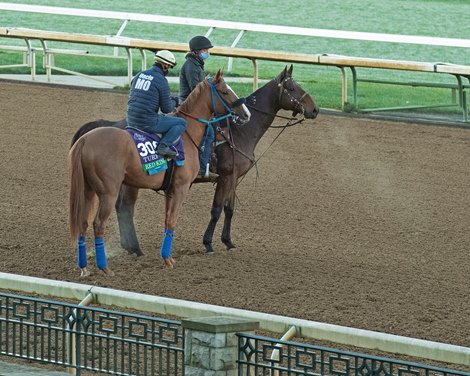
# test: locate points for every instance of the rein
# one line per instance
(289, 124)
(214, 94)
(291, 121)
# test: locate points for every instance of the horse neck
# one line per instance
(267, 101)
(197, 106)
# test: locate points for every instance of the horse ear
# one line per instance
(282, 75)
(219, 74)
(289, 72)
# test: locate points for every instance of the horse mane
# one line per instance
(192, 98)
(274, 81)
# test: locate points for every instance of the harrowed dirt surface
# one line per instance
(356, 222)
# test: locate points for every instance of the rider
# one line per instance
(191, 74)
(149, 93)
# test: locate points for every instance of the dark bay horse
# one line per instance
(103, 160)
(234, 158)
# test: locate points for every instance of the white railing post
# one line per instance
(118, 34)
(235, 42)
(73, 337)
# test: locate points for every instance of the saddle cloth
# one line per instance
(146, 144)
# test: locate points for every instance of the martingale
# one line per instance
(146, 144)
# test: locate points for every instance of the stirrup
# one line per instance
(165, 150)
(210, 177)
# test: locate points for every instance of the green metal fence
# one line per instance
(266, 356)
(93, 339)
(106, 341)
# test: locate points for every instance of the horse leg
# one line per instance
(106, 202)
(173, 205)
(228, 214)
(82, 256)
(216, 211)
(124, 206)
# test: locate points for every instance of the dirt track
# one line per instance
(354, 222)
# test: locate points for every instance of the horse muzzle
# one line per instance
(238, 102)
(312, 114)
(240, 120)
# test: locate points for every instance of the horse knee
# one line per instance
(228, 211)
(216, 211)
(98, 228)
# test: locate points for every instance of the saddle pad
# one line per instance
(146, 144)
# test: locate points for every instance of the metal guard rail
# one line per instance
(269, 322)
(460, 72)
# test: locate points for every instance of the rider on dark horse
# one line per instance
(149, 93)
(191, 74)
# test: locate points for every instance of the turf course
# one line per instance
(408, 17)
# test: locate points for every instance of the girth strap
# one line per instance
(168, 178)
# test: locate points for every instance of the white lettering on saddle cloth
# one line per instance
(152, 163)
(146, 144)
(149, 157)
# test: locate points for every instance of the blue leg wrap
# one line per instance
(167, 244)
(100, 253)
(82, 252)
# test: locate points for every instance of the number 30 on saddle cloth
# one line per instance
(146, 144)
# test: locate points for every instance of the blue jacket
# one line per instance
(149, 93)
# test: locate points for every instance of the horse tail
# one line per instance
(77, 202)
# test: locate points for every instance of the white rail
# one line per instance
(245, 26)
(459, 72)
(274, 323)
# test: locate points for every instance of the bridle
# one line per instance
(291, 121)
(217, 117)
(298, 108)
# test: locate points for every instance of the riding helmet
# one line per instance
(165, 57)
(199, 42)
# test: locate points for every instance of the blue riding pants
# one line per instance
(206, 147)
(170, 127)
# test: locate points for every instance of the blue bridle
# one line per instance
(215, 94)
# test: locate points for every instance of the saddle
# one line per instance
(146, 144)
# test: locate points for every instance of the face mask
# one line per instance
(204, 55)
(165, 69)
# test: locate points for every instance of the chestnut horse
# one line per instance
(103, 160)
(234, 157)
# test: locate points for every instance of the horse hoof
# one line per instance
(230, 246)
(108, 272)
(209, 249)
(134, 252)
(168, 263)
(84, 273)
